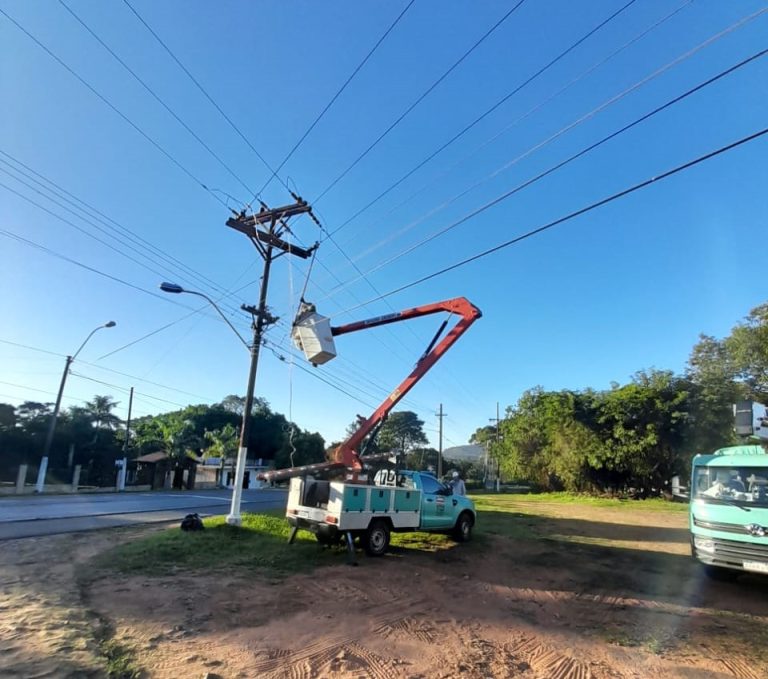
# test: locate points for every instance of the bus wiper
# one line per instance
(734, 503)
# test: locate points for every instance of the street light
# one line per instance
(52, 425)
(175, 289)
(234, 518)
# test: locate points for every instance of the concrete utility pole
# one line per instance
(266, 242)
(123, 473)
(495, 457)
(440, 416)
(54, 417)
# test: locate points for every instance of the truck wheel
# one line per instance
(462, 531)
(376, 538)
(721, 574)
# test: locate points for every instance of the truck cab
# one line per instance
(729, 511)
(397, 501)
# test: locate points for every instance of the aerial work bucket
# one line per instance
(312, 334)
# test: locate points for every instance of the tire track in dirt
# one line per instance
(549, 662)
(740, 669)
(309, 661)
(411, 626)
(318, 659)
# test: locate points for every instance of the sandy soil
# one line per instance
(610, 595)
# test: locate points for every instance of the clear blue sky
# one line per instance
(626, 287)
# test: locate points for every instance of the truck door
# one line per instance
(436, 507)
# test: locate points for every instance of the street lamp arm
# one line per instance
(110, 324)
(221, 313)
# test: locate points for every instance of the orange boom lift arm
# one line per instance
(347, 454)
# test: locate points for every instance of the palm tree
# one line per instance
(222, 443)
(100, 412)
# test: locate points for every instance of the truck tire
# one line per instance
(376, 538)
(462, 531)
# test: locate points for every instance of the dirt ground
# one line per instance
(604, 594)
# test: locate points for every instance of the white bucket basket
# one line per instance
(312, 334)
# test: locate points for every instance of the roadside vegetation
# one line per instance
(632, 438)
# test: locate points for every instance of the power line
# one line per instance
(577, 213)
(421, 98)
(72, 224)
(101, 367)
(127, 390)
(155, 96)
(203, 90)
(58, 255)
(467, 128)
(571, 158)
(26, 346)
(104, 218)
(9, 234)
(336, 96)
(42, 248)
(90, 87)
(318, 377)
(508, 127)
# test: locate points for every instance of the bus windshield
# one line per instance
(747, 485)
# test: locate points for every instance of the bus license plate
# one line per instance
(757, 566)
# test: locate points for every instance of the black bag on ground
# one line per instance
(192, 522)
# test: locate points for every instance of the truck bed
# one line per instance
(351, 506)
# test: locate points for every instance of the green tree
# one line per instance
(402, 431)
(714, 389)
(299, 447)
(747, 348)
(643, 426)
(33, 417)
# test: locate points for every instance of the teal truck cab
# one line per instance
(729, 511)
(398, 501)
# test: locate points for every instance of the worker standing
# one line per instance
(457, 484)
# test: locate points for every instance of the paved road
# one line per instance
(36, 515)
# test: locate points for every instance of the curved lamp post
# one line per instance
(54, 417)
(234, 518)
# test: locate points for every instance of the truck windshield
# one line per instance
(729, 485)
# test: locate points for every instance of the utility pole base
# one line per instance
(234, 520)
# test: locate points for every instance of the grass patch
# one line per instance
(427, 542)
(119, 660)
(499, 501)
(260, 543)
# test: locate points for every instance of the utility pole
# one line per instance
(122, 474)
(128, 425)
(264, 229)
(440, 416)
(495, 457)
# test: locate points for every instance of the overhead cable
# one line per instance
(114, 108)
(202, 89)
(561, 164)
(421, 98)
(157, 97)
(577, 213)
(335, 96)
(508, 127)
(490, 110)
(103, 218)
